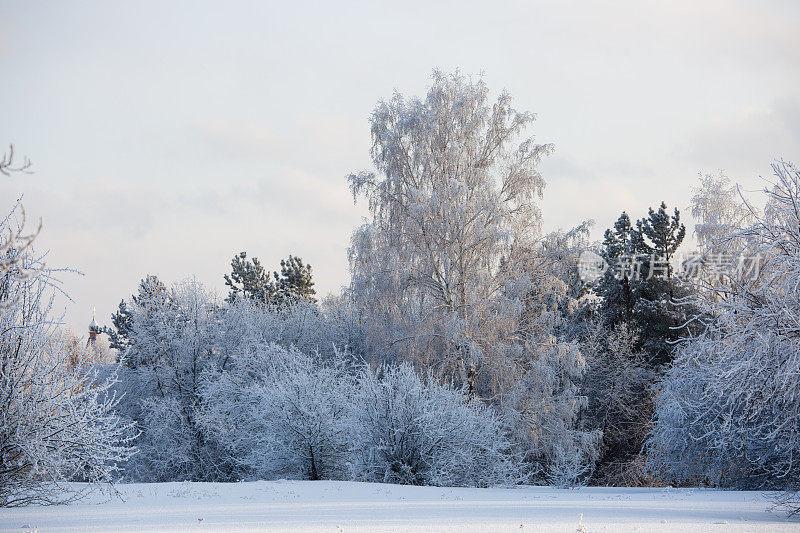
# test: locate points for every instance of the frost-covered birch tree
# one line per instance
(720, 212)
(451, 272)
(452, 205)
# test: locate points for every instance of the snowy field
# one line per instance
(365, 507)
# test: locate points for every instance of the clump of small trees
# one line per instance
(228, 399)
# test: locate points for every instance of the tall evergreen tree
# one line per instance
(249, 279)
(120, 334)
(659, 236)
(658, 318)
(635, 338)
(295, 282)
(615, 286)
(619, 241)
(150, 289)
(639, 289)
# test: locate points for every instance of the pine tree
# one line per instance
(665, 234)
(615, 286)
(152, 293)
(249, 279)
(658, 318)
(294, 283)
(635, 338)
(640, 288)
(120, 334)
(619, 241)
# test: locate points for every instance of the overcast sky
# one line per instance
(168, 136)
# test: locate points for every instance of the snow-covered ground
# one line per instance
(366, 507)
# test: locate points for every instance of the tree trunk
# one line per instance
(314, 474)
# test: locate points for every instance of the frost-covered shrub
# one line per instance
(180, 343)
(57, 420)
(618, 386)
(172, 345)
(301, 325)
(412, 430)
(728, 410)
(541, 412)
(282, 413)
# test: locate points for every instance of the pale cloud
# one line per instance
(745, 140)
(570, 202)
(117, 232)
(335, 132)
(240, 138)
(306, 192)
(788, 111)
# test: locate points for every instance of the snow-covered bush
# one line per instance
(172, 345)
(413, 430)
(57, 420)
(302, 325)
(282, 413)
(181, 346)
(541, 411)
(728, 410)
(618, 385)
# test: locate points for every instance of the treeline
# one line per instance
(269, 383)
(472, 349)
